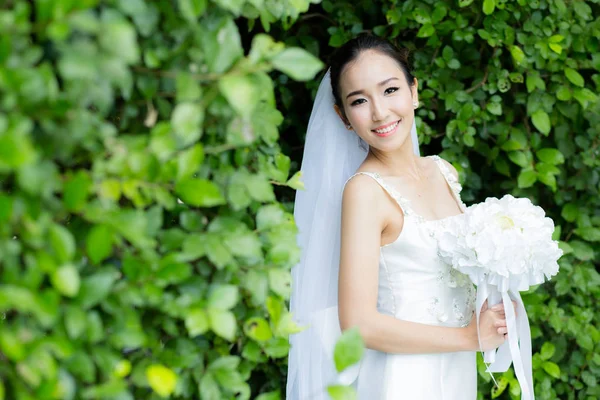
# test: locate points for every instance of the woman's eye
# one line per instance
(390, 90)
(357, 102)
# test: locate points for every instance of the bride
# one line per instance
(367, 224)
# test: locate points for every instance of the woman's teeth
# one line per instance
(388, 129)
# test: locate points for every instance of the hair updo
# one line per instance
(353, 48)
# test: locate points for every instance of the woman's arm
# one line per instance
(363, 220)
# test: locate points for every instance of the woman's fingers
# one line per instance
(499, 308)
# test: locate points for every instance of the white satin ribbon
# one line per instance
(517, 350)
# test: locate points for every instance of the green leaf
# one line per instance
(489, 6)
(517, 54)
(551, 156)
(258, 329)
(280, 282)
(259, 188)
(217, 252)
(225, 363)
(589, 233)
(62, 242)
(96, 287)
(209, 389)
(269, 396)
(541, 120)
(246, 245)
(296, 182)
(500, 388)
(585, 96)
(299, 64)
(570, 212)
(519, 158)
(199, 192)
(269, 216)
(119, 38)
(583, 10)
(241, 92)
(552, 369)
(341, 392)
(574, 77)
(11, 346)
(581, 250)
(278, 347)
(99, 243)
(161, 379)
(189, 161)
(526, 179)
(426, 30)
(555, 39)
(75, 322)
(547, 351)
(187, 119)
(564, 93)
(192, 9)
(222, 323)
(223, 297)
(348, 350)
(221, 43)
(511, 145)
(66, 280)
(196, 322)
(534, 81)
(76, 191)
(494, 108)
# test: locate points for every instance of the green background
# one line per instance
(148, 159)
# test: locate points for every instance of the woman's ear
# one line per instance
(340, 113)
(414, 89)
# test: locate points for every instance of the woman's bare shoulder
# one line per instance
(450, 167)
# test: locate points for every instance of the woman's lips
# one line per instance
(387, 130)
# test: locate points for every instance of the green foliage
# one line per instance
(143, 250)
(143, 253)
(508, 93)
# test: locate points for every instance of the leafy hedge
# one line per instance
(508, 93)
(143, 252)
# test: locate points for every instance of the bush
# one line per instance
(508, 93)
(143, 252)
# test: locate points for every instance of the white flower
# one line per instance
(505, 242)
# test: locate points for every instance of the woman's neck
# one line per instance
(400, 163)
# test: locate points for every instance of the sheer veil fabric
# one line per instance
(331, 155)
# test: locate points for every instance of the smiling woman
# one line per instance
(377, 268)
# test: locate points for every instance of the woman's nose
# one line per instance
(378, 112)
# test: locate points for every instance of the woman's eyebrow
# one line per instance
(379, 84)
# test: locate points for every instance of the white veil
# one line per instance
(331, 155)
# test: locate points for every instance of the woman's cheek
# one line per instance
(361, 115)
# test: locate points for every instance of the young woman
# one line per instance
(367, 224)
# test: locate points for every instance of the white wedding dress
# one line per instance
(415, 285)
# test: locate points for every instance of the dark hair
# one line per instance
(353, 48)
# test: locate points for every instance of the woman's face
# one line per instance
(377, 100)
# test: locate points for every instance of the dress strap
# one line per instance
(402, 202)
(451, 179)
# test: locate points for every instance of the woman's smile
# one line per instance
(386, 130)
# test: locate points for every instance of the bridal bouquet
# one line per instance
(504, 246)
